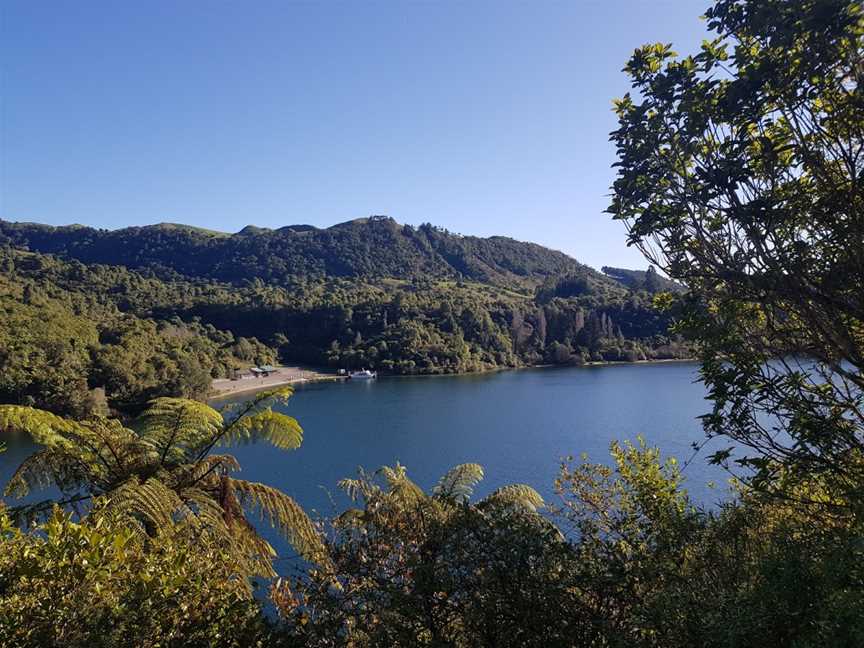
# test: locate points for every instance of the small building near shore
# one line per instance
(263, 371)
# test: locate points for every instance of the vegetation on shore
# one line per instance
(116, 337)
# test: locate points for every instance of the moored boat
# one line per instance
(363, 374)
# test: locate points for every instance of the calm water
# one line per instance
(517, 424)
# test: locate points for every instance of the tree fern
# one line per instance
(160, 474)
(458, 483)
(400, 486)
(284, 514)
(516, 496)
(176, 428)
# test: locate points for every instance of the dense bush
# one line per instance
(71, 342)
(622, 559)
(373, 247)
(96, 583)
(639, 566)
(70, 329)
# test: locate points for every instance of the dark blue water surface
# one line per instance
(517, 424)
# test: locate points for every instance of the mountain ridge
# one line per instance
(376, 246)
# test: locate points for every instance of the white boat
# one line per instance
(363, 374)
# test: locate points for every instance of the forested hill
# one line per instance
(369, 247)
(91, 318)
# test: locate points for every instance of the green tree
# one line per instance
(739, 175)
(95, 583)
(163, 472)
(45, 356)
(653, 570)
(433, 570)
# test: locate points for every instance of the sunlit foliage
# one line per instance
(161, 473)
(410, 569)
(739, 174)
(96, 583)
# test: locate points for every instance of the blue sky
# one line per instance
(481, 117)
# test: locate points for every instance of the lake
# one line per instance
(517, 424)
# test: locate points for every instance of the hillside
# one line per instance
(364, 248)
(169, 307)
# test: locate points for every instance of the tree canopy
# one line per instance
(162, 472)
(116, 338)
(740, 175)
(367, 247)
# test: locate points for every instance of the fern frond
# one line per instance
(279, 394)
(97, 451)
(45, 468)
(152, 504)
(252, 554)
(516, 496)
(222, 464)
(44, 428)
(255, 555)
(111, 450)
(177, 427)
(209, 515)
(358, 489)
(279, 429)
(400, 486)
(259, 401)
(284, 514)
(458, 484)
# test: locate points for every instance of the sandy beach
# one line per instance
(283, 376)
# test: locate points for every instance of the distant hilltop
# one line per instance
(376, 246)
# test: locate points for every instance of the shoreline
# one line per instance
(225, 387)
(585, 365)
(603, 363)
